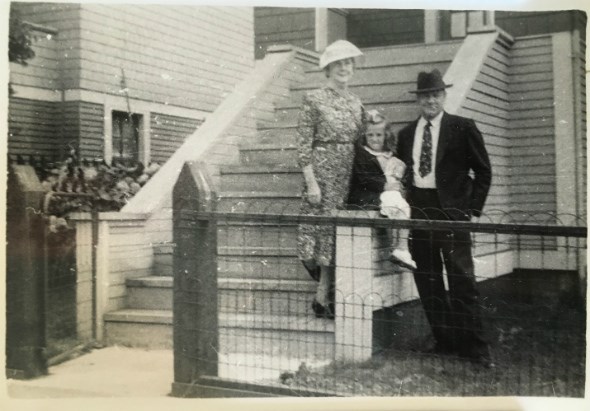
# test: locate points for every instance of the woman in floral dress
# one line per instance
(330, 123)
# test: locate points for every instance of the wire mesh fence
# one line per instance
(244, 287)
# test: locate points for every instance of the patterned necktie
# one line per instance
(426, 153)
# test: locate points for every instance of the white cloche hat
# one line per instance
(339, 50)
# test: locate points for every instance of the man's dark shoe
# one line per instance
(322, 311)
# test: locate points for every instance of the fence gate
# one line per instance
(51, 287)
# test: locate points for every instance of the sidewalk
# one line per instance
(107, 372)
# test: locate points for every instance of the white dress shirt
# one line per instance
(429, 180)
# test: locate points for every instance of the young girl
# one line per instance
(376, 182)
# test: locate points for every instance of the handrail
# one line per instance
(466, 66)
(217, 124)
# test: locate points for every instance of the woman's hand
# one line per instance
(314, 194)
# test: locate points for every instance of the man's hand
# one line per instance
(474, 219)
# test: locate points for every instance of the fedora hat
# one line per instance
(339, 50)
(430, 82)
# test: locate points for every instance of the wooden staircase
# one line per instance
(265, 294)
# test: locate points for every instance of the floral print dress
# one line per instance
(330, 124)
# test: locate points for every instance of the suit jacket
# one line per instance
(461, 149)
(367, 181)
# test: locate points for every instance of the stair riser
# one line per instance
(279, 268)
(266, 302)
(277, 182)
(257, 236)
(149, 298)
(318, 345)
(230, 301)
(284, 137)
(285, 156)
(141, 335)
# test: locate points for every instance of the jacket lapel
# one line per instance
(443, 137)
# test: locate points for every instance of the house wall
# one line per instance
(168, 133)
(385, 27)
(282, 25)
(183, 55)
(519, 24)
(488, 104)
(178, 61)
(33, 127)
(83, 126)
(532, 132)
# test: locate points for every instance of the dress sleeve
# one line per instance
(306, 128)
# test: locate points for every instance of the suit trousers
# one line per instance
(454, 317)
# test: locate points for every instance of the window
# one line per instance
(126, 131)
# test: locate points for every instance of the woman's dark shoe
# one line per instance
(322, 311)
(312, 268)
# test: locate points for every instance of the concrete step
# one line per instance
(276, 154)
(303, 336)
(261, 178)
(236, 295)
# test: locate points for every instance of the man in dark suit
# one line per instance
(441, 152)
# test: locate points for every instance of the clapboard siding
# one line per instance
(531, 130)
(282, 25)
(182, 55)
(53, 54)
(385, 27)
(83, 127)
(91, 130)
(168, 133)
(33, 127)
(488, 104)
(42, 71)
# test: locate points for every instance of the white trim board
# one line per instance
(42, 94)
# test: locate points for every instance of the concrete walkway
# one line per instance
(107, 372)
(142, 379)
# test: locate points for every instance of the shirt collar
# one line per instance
(386, 154)
(435, 121)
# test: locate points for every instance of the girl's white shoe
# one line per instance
(403, 258)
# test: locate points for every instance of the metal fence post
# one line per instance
(196, 341)
(25, 275)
